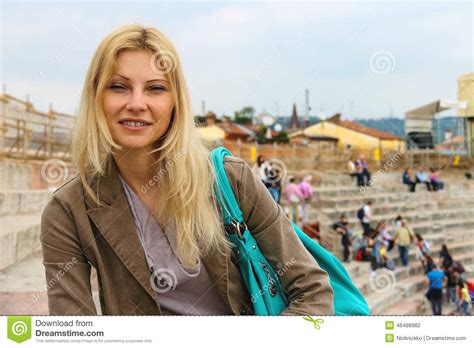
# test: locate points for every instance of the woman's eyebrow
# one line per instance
(162, 80)
(126, 78)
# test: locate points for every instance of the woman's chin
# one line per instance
(135, 145)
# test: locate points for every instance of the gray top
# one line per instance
(181, 290)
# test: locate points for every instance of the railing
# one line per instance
(298, 157)
(28, 133)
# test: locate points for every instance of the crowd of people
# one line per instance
(431, 180)
(376, 242)
(451, 275)
(374, 245)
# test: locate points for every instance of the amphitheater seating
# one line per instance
(445, 217)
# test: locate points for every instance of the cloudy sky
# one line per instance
(366, 59)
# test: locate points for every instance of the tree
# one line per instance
(242, 119)
(261, 132)
(247, 111)
(200, 120)
(282, 137)
(244, 115)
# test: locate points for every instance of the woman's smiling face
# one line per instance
(137, 101)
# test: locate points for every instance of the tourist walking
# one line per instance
(436, 278)
(404, 237)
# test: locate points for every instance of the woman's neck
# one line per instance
(136, 168)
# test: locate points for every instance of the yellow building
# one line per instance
(211, 134)
(355, 135)
(466, 94)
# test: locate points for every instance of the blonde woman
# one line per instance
(142, 210)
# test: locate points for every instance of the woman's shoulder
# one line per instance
(233, 159)
(234, 165)
(239, 173)
(69, 192)
(61, 204)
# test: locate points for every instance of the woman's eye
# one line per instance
(116, 87)
(157, 88)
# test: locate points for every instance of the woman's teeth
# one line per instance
(134, 124)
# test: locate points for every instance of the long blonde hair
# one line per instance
(186, 178)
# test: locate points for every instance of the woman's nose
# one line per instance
(136, 102)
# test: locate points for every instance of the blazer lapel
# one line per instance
(115, 222)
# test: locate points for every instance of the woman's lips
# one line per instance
(138, 128)
(134, 125)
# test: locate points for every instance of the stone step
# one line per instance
(333, 243)
(351, 207)
(412, 284)
(422, 204)
(412, 287)
(27, 275)
(469, 271)
(352, 188)
(410, 216)
(334, 194)
(341, 190)
(435, 239)
(382, 209)
(24, 303)
(406, 306)
(379, 301)
(22, 201)
(19, 237)
(360, 270)
(409, 279)
(406, 208)
(23, 288)
(340, 197)
(453, 230)
(15, 175)
(397, 196)
(418, 304)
